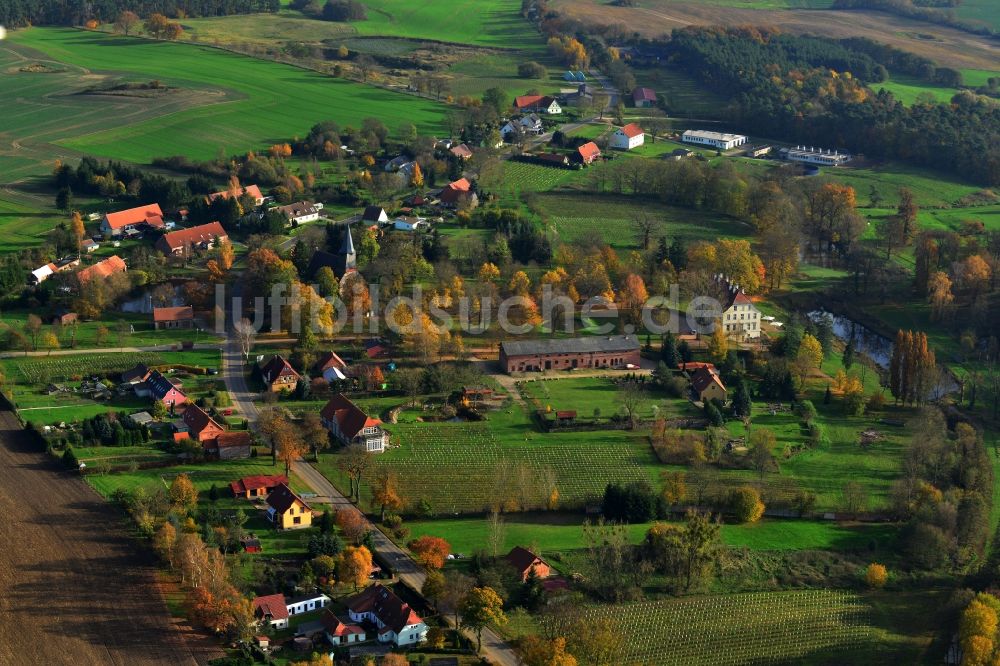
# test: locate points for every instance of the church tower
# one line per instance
(347, 250)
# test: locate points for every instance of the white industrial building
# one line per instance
(818, 156)
(718, 140)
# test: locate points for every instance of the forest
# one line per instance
(811, 90)
(21, 13)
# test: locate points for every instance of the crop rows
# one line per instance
(528, 177)
(459, 467)
(36, 370)
(749, 628)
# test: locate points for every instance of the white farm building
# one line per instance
(810, 155)
(628, 137)
(718, 140)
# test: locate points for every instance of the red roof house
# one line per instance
(588, 152)
(116, 223)
(339, 633)
(102, 269)
(350, 425)
(272, 610)
(179, 317)
(644, 97)
(203, 237)
(707, 384)
(523, 561)
(230, 445)
(279, 375)
(250, 487)
(160, 388)
(396, 621)
(251, 190)
(201, 426)
(454, 191)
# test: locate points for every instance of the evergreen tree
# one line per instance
(684, 351)
(848, 358)
(742, 404)
(668, 350)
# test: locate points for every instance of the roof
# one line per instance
(461, 150)
(160, 386)
(102, 269)
(252, 190)
(334, 627)
(298, 209)
(644, 95)
(322, 259)
(197, 419)
(386, 606)
(374, 214)
(453, 190)
(150, 214)
(282, 498)
(631, 130)
(275, 367)
(566, 414)
(522, 559)
(139, 372)
(717, 136)
(583, 345)
(204, 233)
(273, 605)
(182, 313)
(348, 416)
(702, 378)
(240, 486)
(589, 150)
(524, 101)
(234, 439)
(141, 417)
(329, 359)
(90, 242)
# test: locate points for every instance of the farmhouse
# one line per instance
(158, 387)
(461, 151)
(557, 159)
(707, 385)
(271, 610)
(810, 155)
(102, 269)
(396, 622)
(338, 633)
(200, 426)
(300, 212)
(628, 137)
(233, 445)
(350, 425)
(375, 214)
(523, 561)
(537, 103)
(617, 351)
(718, 140)
(202, 237)
(89, 245)
(115, 224)
(588, 152)
(287, 510)
(239, 192)
(457, 191)
(252, 487)
(306, 603)
(341, 263)
(279, 375)
(740, 316)
(180, 317)
(330, 366)
(43, 273)
(139, 373)
(644, 97)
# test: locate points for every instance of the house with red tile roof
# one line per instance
(271, 610)
(260, 485)
(115, 224)
(229, 445)
(179, 317)
(707, 385)
(330, 366)
(644, 97)
(201, 426)
(461, 151)
(588, 152)
(397, 623)
(102, 269)
(350, 425)
(537, 103)
(456, 191)
(279, 375)
(202, 237)
(523, 561)
(249, 190)
(628, 137)
(338, 633)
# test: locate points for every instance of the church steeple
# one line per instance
(347, 249)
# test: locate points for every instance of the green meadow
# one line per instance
(907, 88)
(256, 102)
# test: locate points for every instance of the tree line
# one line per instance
(22, 13)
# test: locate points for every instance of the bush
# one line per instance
(876, 575)
(531, 70)
(746, 504)
(69, 458)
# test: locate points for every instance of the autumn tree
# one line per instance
(746, 504)
(183, 495)
(385, 491)
(430, 551)
(355, 461)
(314, 434)
(685, 552)
(939, 294)
(288, 445)
(126, 22)
(876, 575)
(482, 607)
(156, 25)
(907, 213)
(246, 335)
(808, 358)
(718, 343)
(353, 524)
(354, 566)
(631, 396)
(457, 587)
(163, 542)
(538, 651)
(632, 298)
(417, 177)
(433, 587)
(912, 367)
(761, 444)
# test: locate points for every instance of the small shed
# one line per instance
(566, 417)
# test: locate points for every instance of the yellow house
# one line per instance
(287, 510)
(707, 385)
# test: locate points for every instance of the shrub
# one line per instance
(531, 70)
(69, 458)
(876, 575)
(746, 504)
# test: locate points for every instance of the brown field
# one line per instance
(73, 588)
(949, 47)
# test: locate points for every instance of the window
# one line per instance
(297, 520)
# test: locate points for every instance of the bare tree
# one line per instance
(365, 65)
(631, 396)
(496, 533)
(645, 228)
(355, 461)
(246, 333)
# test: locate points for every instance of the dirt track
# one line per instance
(72, 587)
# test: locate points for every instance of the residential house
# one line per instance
(557, 159)
(461, 151)
(644, 97)
(397, 623)
(251, 544)
(279, 375)
(271, 610)
(523, 561)
(239, 192)
(411, 223)
(717, 140)
(399, 164)
(253, 487)
(306, 603)
(231, 445)
(43, 273)
(740, 317)
(202, 237)
(527, 124)
(180, 317)
(331, 367)
(350, 425)
(159, 388)
(597, 351)
(375, 214)
(300, 212)
(136, 375)
(287, 510)
(63, 318)
(115, 224)
(141, 418)
(679, 154)
(707, 385)
(89, 245)
(538, 104)
(628, 137)
(200, 426)
(102, 269)
(458, 191)
(588, 152)
(338, 633)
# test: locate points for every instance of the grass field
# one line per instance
(586, 394)
(683, 94)
(979, 11)
(907, 88)
(253, 96)
(930, 189)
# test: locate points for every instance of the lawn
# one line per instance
(251, 98)
(586, 394)
(930, 189)
(472, 76)
(907, 88)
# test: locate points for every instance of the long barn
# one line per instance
(615, 351)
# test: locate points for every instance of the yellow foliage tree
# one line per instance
(876, 575)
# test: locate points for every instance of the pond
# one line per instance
(143, 302)
(876, 347)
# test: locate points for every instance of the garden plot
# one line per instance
(36, 370)
(752, 628)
